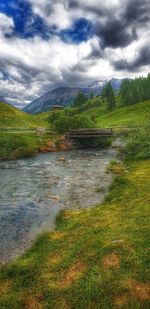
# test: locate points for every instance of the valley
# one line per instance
(90, 207)
(74, 154)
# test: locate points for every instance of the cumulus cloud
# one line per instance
(71, 43)
(6, 24)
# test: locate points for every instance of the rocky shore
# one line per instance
(58, 145)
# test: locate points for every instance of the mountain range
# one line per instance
(64, 96)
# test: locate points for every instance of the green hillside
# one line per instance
(11, 117)
(132, 115)
(24, 143)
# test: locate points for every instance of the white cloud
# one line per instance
(35, 65)
(6, 24)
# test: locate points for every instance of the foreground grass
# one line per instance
(96, 258)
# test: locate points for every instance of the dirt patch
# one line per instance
(111, 260)
(33, 303)
(116, 168)
(70, 214)
(74, 273)
(4, 288)
(121, 300)
(139, 290)
(58, 235)
(62, 304)
(54, 260)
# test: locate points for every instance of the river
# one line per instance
(34, 190)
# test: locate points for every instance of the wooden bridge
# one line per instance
(89, 133)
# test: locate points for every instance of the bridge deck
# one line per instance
(90, 133)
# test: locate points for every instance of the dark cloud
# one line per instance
(73, 4)
(137, 11)
(114, 34)
(142, 59)
(120, 31)
(95, 54)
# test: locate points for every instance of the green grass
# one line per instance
(11, 117)
(18, 145)
(133, 115)
(96, 258)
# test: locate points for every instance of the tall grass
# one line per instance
(138, 144)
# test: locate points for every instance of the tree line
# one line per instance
(134, 91)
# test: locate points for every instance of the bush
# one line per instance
(15, 146)
(65, 123)
(138, 146)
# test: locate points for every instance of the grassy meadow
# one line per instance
(130, 116)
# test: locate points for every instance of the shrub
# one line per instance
(15, 146)
(138, 145)
(65, 123)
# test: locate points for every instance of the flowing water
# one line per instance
(34, 190)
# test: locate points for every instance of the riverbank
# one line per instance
(96, 258)
(17, 145)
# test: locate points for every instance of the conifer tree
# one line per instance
(134, 91)
(110, 97)
(79, 100)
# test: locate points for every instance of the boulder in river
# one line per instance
(62, 159)
(64, 147)
(54, 197)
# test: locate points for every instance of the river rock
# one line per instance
(51, 145)
(43, 149)
(54, 197)
(64, 147)
(62, 159)
(117, 143)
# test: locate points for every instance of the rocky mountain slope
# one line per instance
(2, 99)
(64, 96)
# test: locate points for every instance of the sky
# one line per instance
(45, 44)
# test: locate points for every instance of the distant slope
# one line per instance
(2, 99)
(13, 117)
(65, 96)
(61, 96)
(132, 115)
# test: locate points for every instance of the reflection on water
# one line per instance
(34, 190)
